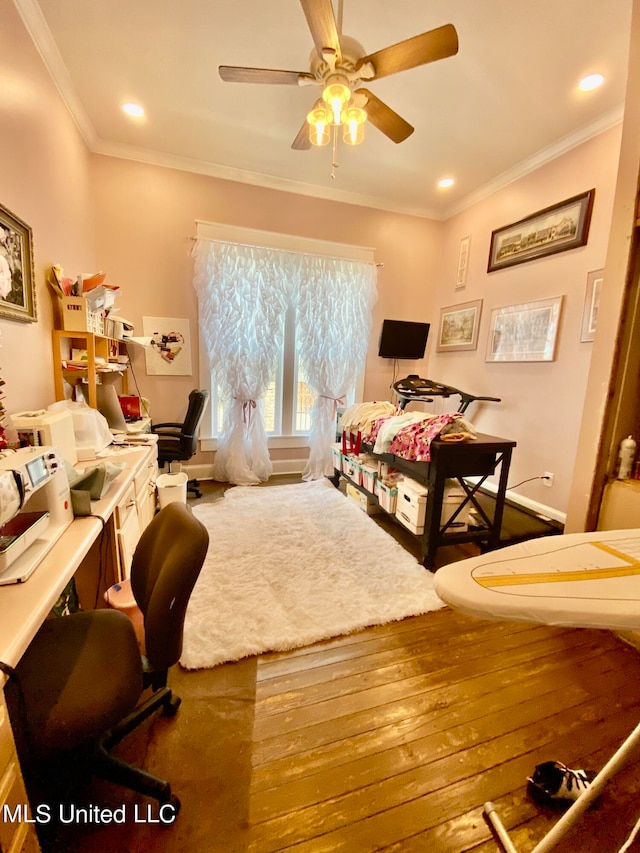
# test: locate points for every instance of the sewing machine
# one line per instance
(35, 509)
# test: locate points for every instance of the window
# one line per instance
(288, 400)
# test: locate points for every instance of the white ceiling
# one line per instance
(506, 103)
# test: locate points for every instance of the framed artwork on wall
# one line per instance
(554, 229)
(169, 351)
(17, 285)
(459, 325)
(463, 262)
(525, 332)
(591, 305)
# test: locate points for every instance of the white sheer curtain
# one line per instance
(333, 299)
(243, 294)
(242, 299)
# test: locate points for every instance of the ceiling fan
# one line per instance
(339, 64)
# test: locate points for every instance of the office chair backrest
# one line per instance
(197, 404)
(164, 570)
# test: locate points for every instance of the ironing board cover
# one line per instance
(588, 580)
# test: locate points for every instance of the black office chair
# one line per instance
(76, 690)
(177, 442)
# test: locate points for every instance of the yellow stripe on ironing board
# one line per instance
(633, 568)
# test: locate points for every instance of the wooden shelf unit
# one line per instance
(98, 347)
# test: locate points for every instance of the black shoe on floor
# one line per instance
(557, 786)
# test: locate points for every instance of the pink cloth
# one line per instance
(414, 441)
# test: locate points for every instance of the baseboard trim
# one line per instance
(526, 503)
(205, 472)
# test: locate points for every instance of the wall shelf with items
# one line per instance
(105, 358)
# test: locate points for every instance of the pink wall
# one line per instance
(45, 181)
(145, 218)
(542, 403)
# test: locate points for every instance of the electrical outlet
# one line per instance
(547, 479)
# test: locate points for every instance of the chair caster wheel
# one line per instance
(170, 708)
(177, 805)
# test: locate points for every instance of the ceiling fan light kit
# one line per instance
(339, 64)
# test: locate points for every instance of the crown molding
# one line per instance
(38, 29)
(242, 176)
(539, 159)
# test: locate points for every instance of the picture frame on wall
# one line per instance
(525, 332)
(549, 231)
(591, 305)
(459, 326)
(463, 262)
(17, 284)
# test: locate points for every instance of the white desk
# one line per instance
(586, 580)
(25, 606)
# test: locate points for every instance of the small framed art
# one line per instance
(525, 332)
(591, 305)
(459, 325)
(463, 262)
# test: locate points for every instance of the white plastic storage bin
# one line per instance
(354, 471)
(411, 505)
(336, 455)
(369, 476)
(387, 495)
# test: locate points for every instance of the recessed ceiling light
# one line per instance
(134, 110)
(446, 182)
(591, 81)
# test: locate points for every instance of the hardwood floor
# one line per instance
(390, 739)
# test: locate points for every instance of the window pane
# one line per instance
(303, 402)
(269, 410)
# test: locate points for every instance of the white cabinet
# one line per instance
(133, 513)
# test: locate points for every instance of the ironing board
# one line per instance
(583, 580)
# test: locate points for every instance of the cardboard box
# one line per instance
(387, 494)
(336, 455)
(353, 470)
(366, 504)
(411, 505)
(76, 316)
(369, 476)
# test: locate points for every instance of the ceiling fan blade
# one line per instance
(384, 118)
(238, 74)
(322, 23)
(302, 142)
(419, 50)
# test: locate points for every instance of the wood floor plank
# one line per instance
(512, 708)
(481, 696)
(304, 708)
(428, 651)
(369, 819)
(321, 655)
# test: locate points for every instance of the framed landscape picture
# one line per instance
(17, 285)
(555, 229)
(459, 325)
(525, 332)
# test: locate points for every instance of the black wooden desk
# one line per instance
(480, 458)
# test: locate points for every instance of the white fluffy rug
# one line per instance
(291, 565)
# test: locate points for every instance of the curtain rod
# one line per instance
(274, 249)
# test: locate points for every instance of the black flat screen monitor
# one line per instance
(403, 339)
